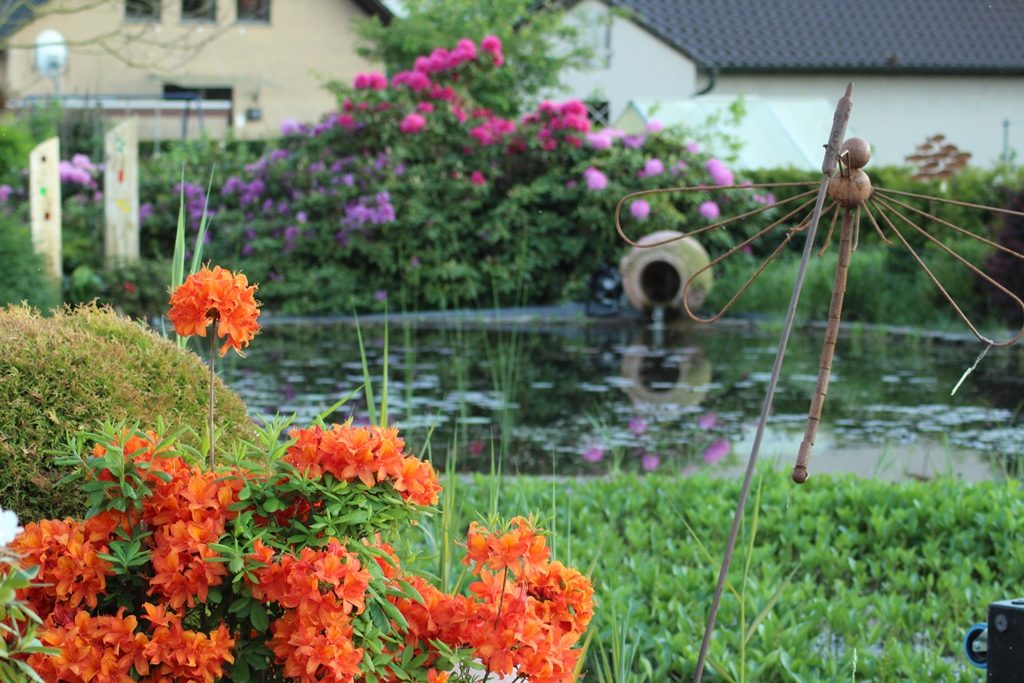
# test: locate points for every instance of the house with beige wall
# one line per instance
(920, 67)
(252, 63)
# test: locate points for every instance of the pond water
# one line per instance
(579, 397)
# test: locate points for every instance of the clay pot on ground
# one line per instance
(654, 277)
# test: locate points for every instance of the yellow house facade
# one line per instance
(185, 66)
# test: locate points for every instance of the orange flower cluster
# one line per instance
(523, 618)
(186, 510)
(219, 296)
(370, 455)
(320, 607)
(71, 573)
(107, 649)
(319, 591)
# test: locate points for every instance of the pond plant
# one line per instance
(276, 561)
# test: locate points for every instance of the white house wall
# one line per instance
(638, 65)
(896, 113)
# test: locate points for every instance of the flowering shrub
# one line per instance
(280, 563)
(18, 624)
(413, 186)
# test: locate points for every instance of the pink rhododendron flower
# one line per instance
(637, 425)
(594, 454)
(640, 209)
(650, 462)
(600, 140)
(653, 167)
(654, 126)
(719, 173)
(692, 147)
(634, 141)
(412, 123)
(477, 178)
(596, 180)
(290, 127)
(709, 210)
(370, 81)
(716, 451)
(491, 44)
(425, 107)
(466, 48)
(707, 421)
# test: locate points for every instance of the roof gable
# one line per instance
(890, 36)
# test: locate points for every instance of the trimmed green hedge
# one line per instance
(883, 578)
(71, 371)
(23, 277)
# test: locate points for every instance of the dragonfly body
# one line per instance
(849, 188)
(828, 348)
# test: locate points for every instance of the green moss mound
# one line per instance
(77, 368)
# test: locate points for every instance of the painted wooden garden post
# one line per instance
(44, 202)
(121, 194)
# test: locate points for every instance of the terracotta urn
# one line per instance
(654, 277)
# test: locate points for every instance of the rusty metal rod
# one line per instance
(839, 121)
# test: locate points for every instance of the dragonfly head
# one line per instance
(855, 153)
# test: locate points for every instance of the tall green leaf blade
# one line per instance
(178, 262)
(367, 383)
(203, 224)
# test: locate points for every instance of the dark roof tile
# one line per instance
(842, 35)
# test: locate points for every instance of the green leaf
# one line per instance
(258, 617)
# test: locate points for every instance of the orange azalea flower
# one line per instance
(174, 654)
(216, 295)
(370, 455)
(181, 558)
(312, 651)
(521, 548)
(417, 482)
(70, 569)
(92, 649)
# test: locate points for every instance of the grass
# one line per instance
(843, 579)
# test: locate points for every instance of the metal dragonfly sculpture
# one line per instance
(849, 193)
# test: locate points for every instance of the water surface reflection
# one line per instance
(589, 398)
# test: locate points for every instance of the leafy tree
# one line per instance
(539, 45)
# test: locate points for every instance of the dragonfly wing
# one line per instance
(920, 232)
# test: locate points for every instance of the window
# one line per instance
(199, 10)
(142, 10)
(254, 10)
(599, 112)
